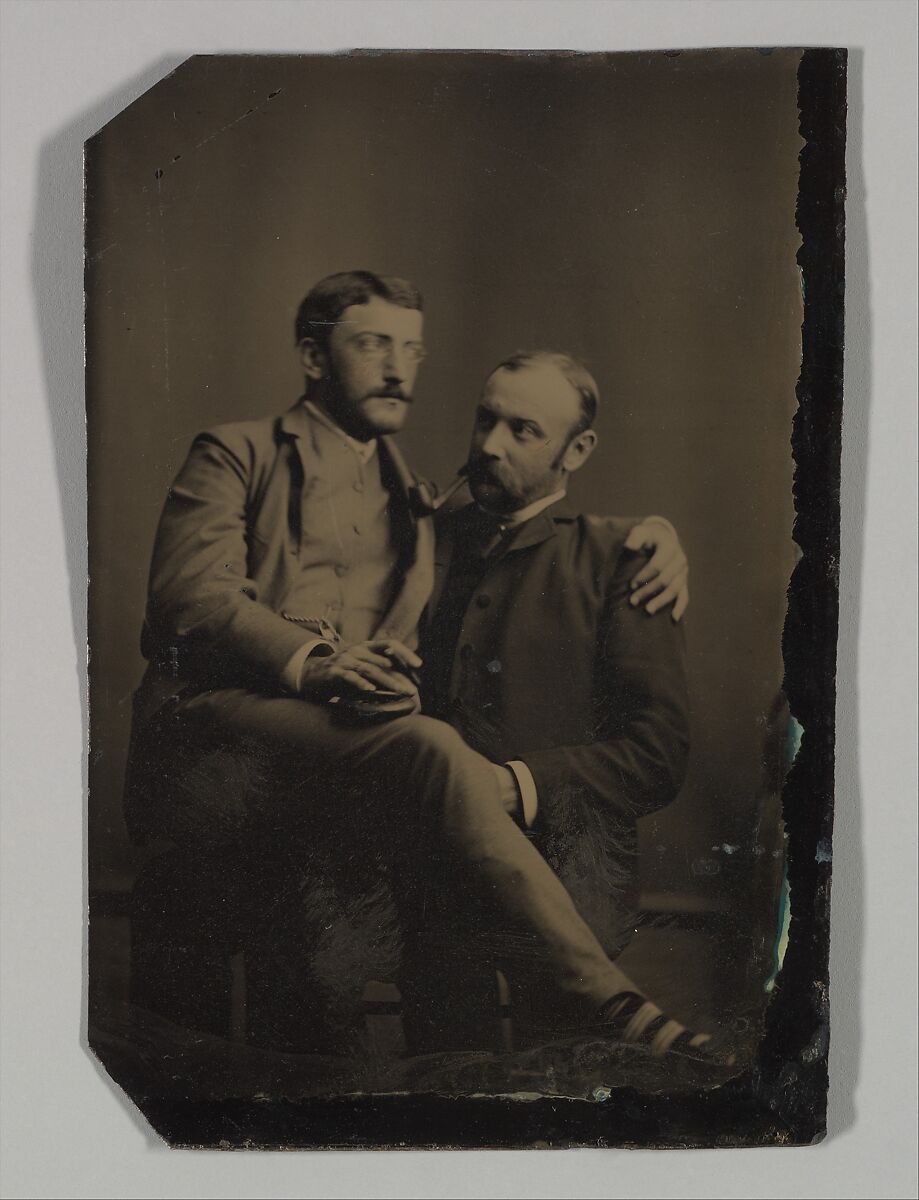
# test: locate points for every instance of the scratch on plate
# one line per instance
(236, 120)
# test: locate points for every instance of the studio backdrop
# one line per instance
(637, 211)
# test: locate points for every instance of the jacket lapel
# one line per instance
(449, 530)
(459, 524)
(297, 426)
(416, 552)
(297, 422)
(532, 533)
(535, 531)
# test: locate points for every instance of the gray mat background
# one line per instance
(65, 1130)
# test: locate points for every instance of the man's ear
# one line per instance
(314, 358)
(579, 450)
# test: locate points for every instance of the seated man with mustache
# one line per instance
(290, 571)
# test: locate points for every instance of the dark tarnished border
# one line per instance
(782, 1099)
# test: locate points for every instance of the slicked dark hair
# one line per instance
(575, 372)
(321, 310)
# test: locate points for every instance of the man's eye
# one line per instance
(415, 352)
(369, 341)
(523, 432)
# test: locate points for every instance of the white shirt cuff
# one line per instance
(292, 675)
(529, 800)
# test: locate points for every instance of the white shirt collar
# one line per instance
(364, 450)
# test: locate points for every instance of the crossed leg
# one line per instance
(430, 806)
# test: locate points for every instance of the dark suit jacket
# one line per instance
(555, 667)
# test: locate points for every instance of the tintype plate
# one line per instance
(295, 936)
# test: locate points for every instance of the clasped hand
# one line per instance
(360, 670)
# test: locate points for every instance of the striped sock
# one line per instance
(637, 1021)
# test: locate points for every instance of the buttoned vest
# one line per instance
(348, 556)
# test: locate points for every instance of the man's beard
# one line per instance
(506, 498)
(501, 496)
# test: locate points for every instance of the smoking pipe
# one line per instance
(425, 505)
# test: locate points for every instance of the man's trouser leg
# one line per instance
(432, 806)
(450, 998)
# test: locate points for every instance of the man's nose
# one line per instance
(395, 365)
(493, 444)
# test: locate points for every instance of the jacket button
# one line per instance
(340, 569)
(466, 652)
(483, 601)
(357, 485)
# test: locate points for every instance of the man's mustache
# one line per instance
(390, 393)
(480, 470)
